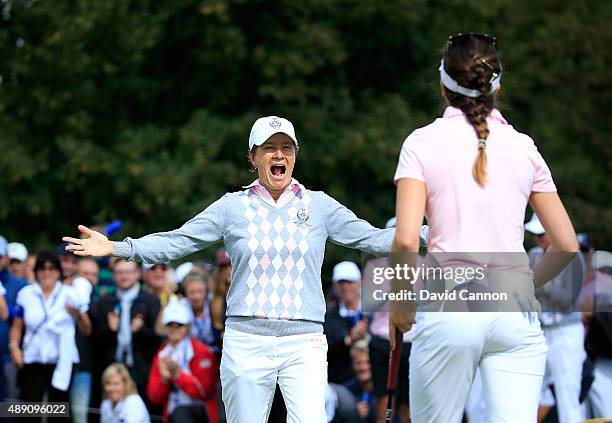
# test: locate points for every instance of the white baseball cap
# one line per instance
(265, 127)
(346, 271)
(534, 226)
(17, 251)
(176, 312)
(148, 266)
(183, 270)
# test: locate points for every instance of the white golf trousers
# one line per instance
(251, 365)
(564, 369)
(447, 348)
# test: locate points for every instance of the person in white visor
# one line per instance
(471, 174)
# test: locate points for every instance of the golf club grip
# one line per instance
(394, 360)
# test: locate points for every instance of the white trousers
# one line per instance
(251, 365)
(564, 370)
(600, 394)
(475, 408)
(508, 348)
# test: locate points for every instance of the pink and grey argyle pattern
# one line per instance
(277, 257)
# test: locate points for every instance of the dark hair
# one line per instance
(48, 257)
(472, 61)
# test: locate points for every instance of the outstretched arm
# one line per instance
(346, 229)
(203, 230)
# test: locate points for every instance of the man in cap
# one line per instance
(560, 320)
(344, 323)
(18, 254)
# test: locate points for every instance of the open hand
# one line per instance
(112, 319)
(137, 323)
(360, 330)
(164, 371)
(173, 368)
(94, 244)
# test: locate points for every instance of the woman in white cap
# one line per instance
(275, 232)
(184, 373)
(472, 174)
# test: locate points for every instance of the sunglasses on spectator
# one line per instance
(464, 36)
(175, 325)
(159, 266)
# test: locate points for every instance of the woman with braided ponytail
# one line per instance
(472, 175)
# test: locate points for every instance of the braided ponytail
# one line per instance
(473, 66)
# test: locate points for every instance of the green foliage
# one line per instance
(140, 110)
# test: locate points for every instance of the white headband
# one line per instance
(452, 85)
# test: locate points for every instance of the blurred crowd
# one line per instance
(123, 341)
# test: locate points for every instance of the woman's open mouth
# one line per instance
(278, 170)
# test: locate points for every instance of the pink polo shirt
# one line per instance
(463, 216)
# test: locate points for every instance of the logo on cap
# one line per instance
(275, 123)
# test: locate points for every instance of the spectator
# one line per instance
(121, 404)
(12, 285)
(80, 391)
(182, 271)
(195, 286)
(222, 280)
(69, 262)
(362, 386)
(184, 373)
(597, 281)
(49, 350)
(156, 281)
(18, 254)
(599, 347)
(123, 325)
(344, 323)
(599, 337)
(563, 330)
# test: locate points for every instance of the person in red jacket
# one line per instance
(184, 373)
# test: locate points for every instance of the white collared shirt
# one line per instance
(44, 321)
(287, 195)
(130, 410)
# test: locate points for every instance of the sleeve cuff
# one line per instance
(122, 249)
